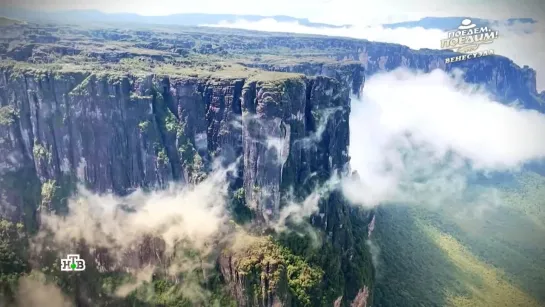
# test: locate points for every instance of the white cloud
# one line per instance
(419, 142)
(522, 47)
(436, 108)
(193, 213)
(414, 38)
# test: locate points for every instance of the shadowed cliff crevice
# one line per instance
(164, 119)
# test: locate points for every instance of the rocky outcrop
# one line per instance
(256, 275)
(273, 121)
(361, 298)
(351, 74)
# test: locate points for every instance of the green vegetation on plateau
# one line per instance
(163, 50)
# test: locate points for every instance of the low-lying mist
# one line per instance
(177, 231)
(421, 138)
(176, 213)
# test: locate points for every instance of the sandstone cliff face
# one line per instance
(274, 115)
(117, 133)
(121, 132)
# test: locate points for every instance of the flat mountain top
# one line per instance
(4, 21)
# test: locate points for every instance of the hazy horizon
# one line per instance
(324, 11)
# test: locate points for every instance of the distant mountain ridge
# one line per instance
(449, 23)
(183, 19)
(196, 19)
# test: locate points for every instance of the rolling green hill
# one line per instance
(447, 258)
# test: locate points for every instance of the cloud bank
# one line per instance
(421, 142)
(176, 231)
(179, 212)
(414, 38)
(522, 43)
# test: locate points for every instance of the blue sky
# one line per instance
(332, 11)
